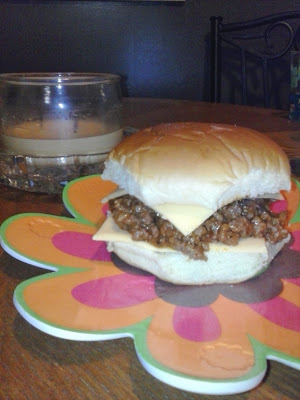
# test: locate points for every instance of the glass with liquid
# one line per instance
(57, 126)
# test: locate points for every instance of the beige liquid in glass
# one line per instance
(54, 138)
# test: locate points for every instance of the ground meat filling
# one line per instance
(240, 219)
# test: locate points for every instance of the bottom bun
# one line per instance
(220, 267)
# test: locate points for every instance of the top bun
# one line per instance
(197, 163)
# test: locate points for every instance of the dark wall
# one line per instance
(159, 49)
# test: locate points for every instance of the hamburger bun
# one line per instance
(197, 163)
(229, 266)
(201, 165)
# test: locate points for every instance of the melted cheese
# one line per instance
(186, 218)
(273, 196)
(113, 195)
(110, 232)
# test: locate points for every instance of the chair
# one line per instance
(252, 50)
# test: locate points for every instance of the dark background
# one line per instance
(160, 49)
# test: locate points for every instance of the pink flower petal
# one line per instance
(105, 208)
(81, 245)
(278, 206)
(198, 324)
(279, 311)
(296, 244)
(116, 291)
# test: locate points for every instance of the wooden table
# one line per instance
(36, 366)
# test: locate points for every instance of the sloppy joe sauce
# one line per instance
(239, 219)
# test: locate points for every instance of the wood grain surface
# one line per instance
(36, 366)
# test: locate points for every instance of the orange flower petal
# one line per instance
(285, 339)
(32, 236)
(92, 189)
(229, 356)
(60, 308)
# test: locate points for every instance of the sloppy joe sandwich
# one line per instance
(193, 204)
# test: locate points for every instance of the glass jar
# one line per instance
(56, 127)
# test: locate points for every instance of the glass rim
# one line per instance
(58, 78)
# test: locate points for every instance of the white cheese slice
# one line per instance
(273, 196)
(186, 218)
(110, 232)
(113, 195)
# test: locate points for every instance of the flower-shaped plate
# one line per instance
(206, 339)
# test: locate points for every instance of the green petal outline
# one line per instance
(69, 206)
(58, 269)
(139, 331)
(296, 216)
